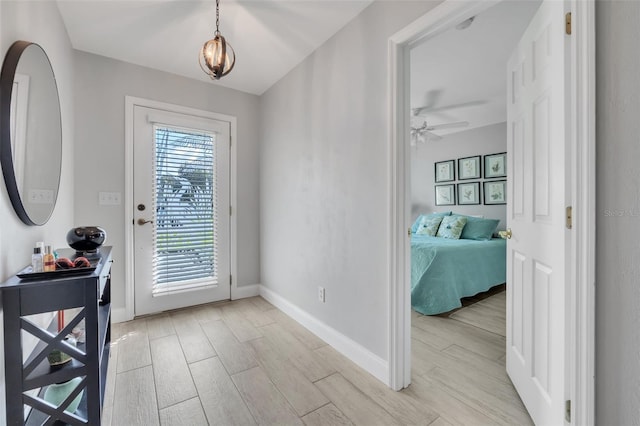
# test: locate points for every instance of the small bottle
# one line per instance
(36, 260)
(48, 261)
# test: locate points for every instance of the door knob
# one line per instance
(142, 221)
(505, 234)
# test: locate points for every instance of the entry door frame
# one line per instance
(580, 373)
(130, 103)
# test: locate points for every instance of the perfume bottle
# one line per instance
(49, 263)
(36, 260)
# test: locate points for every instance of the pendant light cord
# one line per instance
(217, 16)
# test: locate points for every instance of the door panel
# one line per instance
(537, 251)
(181, 210)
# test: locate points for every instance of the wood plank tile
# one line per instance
(235, 318)
(159, 326)
(309, 339)
(429, 338)
(440, 422)
(482, 316)
(433, 394)
(473, 361)
(195, 344)
(303, 358)
(404, 407)
(134, 346)
(473, 338)
(110, 385)
(261, 303)
(208, 312)
(265, 402)
(135, 398)
(329, 415)
(188, 412)
(494, 399)
(353, 403)
(303, 395)
(235, 356)
(171, 373)
(219, 397)
(255, 313)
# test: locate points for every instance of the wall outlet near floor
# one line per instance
(321, 294)
(109, 198)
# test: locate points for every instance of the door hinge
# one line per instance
(409, 232)
(230, 280)
(569, 217)
(230, 210)
(567, 411)
(567, 23)
(230, 142)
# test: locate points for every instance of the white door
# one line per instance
(181, 210)
(537, 107)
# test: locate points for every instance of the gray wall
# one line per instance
(324, 178)
(41, 23)
(479, 141)
(101, 87)
(618, 213)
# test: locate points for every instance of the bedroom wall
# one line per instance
(324, 178)
(618, 213)
(479, 141)
(101, 86)
(38, 22)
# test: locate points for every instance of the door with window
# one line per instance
(181, 210)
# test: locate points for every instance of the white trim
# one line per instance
(130, 102)
(347, 347)
(581, 384)
(119, 315)
(244, 291)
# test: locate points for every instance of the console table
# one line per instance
(27, 379)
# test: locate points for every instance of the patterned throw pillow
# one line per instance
(429, 225)
(451, 227)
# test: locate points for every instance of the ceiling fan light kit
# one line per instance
(217, 57)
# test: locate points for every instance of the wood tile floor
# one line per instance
(246, 363)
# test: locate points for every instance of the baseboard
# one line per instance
(367, 360)
(119, 315)
(244, 291)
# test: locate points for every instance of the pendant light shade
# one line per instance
(217, 57)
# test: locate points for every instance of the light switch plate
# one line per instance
(109, 198)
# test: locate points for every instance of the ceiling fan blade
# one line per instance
(448, 125)
(431, 136)
(425, 109)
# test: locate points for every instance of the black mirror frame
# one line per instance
(7, 75)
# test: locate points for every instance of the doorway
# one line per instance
(579, 378)
(179, 197)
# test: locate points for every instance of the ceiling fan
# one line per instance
(424, 133)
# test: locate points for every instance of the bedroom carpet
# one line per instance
(488, 314)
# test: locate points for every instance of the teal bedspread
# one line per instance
(443, 271)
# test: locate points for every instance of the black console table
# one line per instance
(27, 379)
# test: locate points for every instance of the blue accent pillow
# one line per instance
(478, 228)
(451, 227)
(414, 227)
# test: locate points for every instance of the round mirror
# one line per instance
(30, 132)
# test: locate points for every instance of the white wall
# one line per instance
(479, 141)
(618, 213)
(324, 178)
(41, 23)
(101, 87)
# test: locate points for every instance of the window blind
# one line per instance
(185, 225)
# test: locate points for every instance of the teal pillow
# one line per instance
(451, 227)
(478, 228)
(414, 227)
(429, 225)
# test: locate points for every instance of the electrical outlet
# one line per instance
(321, 294)
(109, 198)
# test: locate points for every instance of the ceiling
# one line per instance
(270, 37)
(461, 75)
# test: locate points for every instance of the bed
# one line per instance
(445, 270)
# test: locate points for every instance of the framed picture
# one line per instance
(469, 193)
(495, 192)
(445, 195)
(495, 165)
(469, 168)
(446, 171)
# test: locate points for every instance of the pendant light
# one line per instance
(217, 57)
